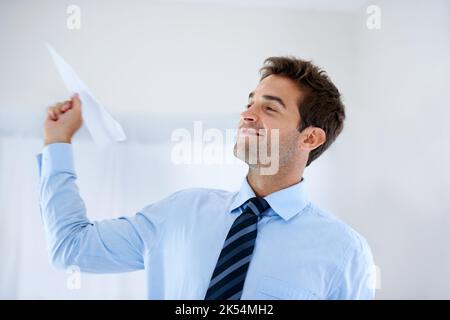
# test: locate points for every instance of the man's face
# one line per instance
(272, 105)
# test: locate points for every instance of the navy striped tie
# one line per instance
(228, 278)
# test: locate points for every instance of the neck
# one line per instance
(264, 185)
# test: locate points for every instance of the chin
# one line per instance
(241, 151)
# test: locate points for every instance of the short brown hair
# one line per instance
(321, 106)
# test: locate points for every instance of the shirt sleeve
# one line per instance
(357, 278)
(116, 245)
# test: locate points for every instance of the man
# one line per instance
(267, 241)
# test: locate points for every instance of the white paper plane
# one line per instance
(103, 128)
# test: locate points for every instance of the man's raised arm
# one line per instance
(116, 245)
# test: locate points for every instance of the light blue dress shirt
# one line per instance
(300, 252)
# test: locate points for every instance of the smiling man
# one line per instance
(266, 241)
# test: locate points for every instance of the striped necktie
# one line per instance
(228, 278)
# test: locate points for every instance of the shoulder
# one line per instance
(354, 271)
(191, 198)
(194, 195)
(336, 230)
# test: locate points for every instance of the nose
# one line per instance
(249, 115)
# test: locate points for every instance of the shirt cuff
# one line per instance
(56, 158)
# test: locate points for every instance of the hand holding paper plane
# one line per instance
(101, 125)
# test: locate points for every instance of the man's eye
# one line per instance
(270, 109)
(248, 106)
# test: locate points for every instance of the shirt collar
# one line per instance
(286, 202)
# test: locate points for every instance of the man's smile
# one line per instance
(250, 132)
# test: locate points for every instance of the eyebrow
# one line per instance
(269, 97)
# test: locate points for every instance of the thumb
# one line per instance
(76, 102)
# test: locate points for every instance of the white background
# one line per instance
(158, 66)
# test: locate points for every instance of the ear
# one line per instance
(312, 138)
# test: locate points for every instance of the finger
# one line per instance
(58, 108)
(66, 106)
(62, 105)
(76, 102)
(55, 111)
(51, 115)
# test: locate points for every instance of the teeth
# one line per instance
(249, 131)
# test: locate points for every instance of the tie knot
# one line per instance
(257, 205)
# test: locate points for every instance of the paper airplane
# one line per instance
(101, 125)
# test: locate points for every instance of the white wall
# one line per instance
(158, 66)
(145, 56)
(398, 135)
